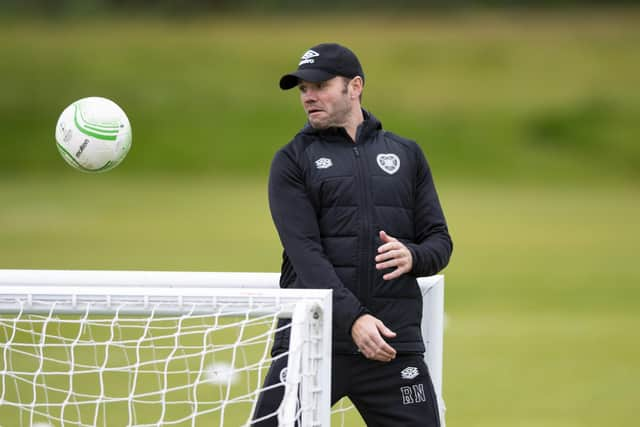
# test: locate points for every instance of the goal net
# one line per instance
(130, 355)
(106, 348)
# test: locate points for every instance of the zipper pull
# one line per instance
(356, 151)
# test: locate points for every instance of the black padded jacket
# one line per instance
(329, 198)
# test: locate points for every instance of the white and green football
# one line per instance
(93, 134)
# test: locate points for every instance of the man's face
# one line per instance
(327, 104)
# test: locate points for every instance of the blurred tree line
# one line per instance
(55, 8)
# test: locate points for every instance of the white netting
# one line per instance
(148, 348)
(126, 369)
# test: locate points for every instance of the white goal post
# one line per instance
(83, 307)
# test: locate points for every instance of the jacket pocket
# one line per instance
(405, 286)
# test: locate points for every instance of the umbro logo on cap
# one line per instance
(308, 56)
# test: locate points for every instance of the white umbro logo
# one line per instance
(323, 163)
(409, 373)
(390, 163)
(308, 56)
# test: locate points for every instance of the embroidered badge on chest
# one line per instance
(390, 163)
(323, 163)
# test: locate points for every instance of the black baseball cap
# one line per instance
(323, 62)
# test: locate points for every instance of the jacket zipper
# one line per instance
(365, 272)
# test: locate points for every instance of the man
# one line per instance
(357, 212)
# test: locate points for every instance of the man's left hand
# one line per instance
(393, 253)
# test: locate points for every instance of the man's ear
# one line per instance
(356, 84)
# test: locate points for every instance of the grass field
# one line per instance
(529, 121)
(541, 295)
(490, 96)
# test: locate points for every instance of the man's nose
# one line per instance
(309, 95)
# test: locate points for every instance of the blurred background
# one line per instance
(528, 112)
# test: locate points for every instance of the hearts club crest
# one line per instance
(390, 163)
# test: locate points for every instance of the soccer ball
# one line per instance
(93, 134)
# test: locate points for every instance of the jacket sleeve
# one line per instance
(433, 246)
(297, 225)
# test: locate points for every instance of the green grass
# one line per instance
(542, 305)
(541, 293)
(502, 96)
(529, 121)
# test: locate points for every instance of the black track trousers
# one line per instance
(387, 394)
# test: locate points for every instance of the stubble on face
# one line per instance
(330, 107)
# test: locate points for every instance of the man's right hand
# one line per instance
(367, 332)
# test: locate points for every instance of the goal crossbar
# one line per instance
(143, 300)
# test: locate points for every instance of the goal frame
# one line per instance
(253, 286)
